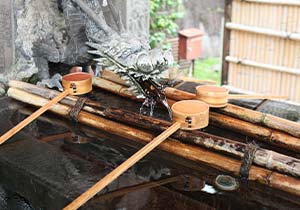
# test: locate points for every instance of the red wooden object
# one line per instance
(190, 44)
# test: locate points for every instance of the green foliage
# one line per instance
(204, 69)
(163, 15)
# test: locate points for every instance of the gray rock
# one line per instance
(25, 21)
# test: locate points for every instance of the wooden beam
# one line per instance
(226, 42)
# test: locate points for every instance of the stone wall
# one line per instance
(135, 15)
(206, 15)
(23, 22)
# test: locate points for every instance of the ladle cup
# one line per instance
(187, 115)
(218, 97)
(74, 84)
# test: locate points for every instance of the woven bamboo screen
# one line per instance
(263, 54)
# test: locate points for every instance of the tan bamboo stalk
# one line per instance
(220, 162)
(252, 116)
(273, 161)
(280, 124)
(111, 76)
(248, 115)
(279, 2)
(112, 87)
(264, 119)
(263, 31)
(270, 136)
(256, 64)
(259, 194)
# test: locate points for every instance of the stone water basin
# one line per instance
(52, 161)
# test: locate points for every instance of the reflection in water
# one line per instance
(53, 161)
(209, 189)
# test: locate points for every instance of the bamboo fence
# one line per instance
(264, 47)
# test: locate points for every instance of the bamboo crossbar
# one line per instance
(262, 65)
(263, 31)
(278, 2)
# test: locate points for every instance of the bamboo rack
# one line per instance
(260, 195)
(276, 162)
(217, 161)
(173, 95)
(272, 122)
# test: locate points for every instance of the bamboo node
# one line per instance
(269, 160)
(264, 119)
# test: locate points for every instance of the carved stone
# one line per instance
(24, 22)
(135, 15)
(21, 24)
(7, 36)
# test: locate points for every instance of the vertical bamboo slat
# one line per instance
(265, 49)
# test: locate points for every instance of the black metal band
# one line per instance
(73, 114)
(247, 160)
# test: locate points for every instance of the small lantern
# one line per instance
(190, 44)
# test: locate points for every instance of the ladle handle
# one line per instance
(87, 195)
(33, 116)
(239, 96)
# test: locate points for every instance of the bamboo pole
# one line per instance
(276, 162)
(269, 136)
(282, 125)
(113, 87)
(267, 120)
(248, 115)
(262, 65)
(255, 117)
(263, 31)
(217, 161)
(278, 2)
(258, 194)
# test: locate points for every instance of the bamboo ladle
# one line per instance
(218, 97)
(74, 84)
(187, 115)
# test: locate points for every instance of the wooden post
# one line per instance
(226, 42)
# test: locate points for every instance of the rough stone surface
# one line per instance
(29, 20)
(6, 36)
(135, 14)
(25, 22)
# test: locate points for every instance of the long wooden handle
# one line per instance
(33, 116)
(87, 195)
(239, 96)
